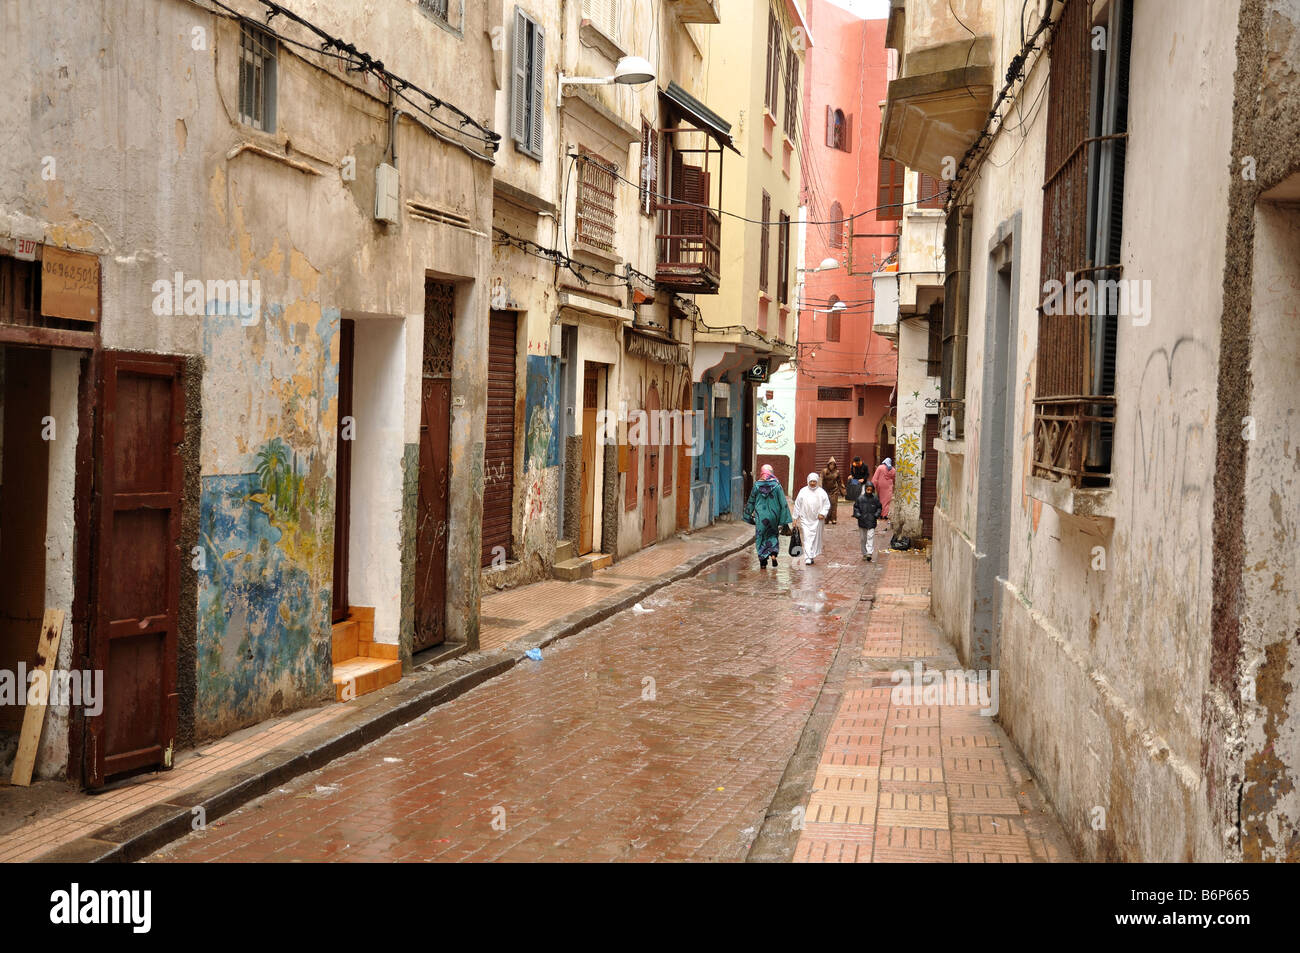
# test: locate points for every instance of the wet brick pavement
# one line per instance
(655, 736)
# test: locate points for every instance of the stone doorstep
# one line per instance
(582, 567)
(159, 823)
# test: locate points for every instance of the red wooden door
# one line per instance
(929, 475)
(435, 466)
(499, 437)
(650, 498)
(136, 583)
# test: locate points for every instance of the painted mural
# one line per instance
(267, 522)
(907, 481)
(541, 403)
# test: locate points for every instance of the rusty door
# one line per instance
(587, 478)
(136, 581)
(650, 496)
(499, 437)
(435, 445)
(343, 473)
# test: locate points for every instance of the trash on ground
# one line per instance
(534, 654)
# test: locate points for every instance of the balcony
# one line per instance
(689, 247)
(938, 105)
(696, 11)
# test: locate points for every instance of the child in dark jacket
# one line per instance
(866, 510)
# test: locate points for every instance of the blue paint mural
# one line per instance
(267, 529)
(541, 400)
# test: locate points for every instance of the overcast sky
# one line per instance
(868, 9)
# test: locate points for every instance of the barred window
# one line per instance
(257, 69)
(1083, 194)
(834, 393)
(596, 201)
(783, 259)
(764, 242)
(956, 309)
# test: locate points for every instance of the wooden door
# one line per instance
(586, 541)
(136, 581)
(499, 437)
(684, 463)
(650, 493)
(929, 475)
(435, 443)
(343, 472)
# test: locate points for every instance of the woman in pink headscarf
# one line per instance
(767, 510)
(883, 481)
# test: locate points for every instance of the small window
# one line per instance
(839, 130)
(783, 259)
(764, 242)
(257, 60)
(836, 225)
(448, 12)
(930, 192)
(834, 393)
(791, 93)
(528, 86)
(889, 194)
(649, 167)
(833, 320)
(772, 85)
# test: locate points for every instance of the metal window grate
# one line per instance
(439, 8)
(596, 202)
(956, 311)
(834, 393)
(257, 57)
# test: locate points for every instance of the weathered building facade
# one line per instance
(1116, 526)
(273, 420)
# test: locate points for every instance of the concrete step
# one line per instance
(359, 676)
(573, 569)
(563, 550)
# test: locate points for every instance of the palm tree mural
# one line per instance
(276, 474)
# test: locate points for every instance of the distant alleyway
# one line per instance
(665, 736)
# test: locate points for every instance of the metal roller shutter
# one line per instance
(832, 441)
(499, 437)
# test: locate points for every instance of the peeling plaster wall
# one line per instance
(161, 183)
(1252, 748)
(1106, 670)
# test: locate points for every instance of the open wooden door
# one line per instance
(586, 541)
(136, 582)
(343, 473)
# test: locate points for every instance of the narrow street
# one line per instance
(665, 735)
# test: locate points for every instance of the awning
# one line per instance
(704, 118)
(657, 348)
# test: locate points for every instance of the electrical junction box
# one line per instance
(386, 207)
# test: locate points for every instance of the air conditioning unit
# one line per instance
(386, 206)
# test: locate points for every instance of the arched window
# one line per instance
(839, 130)
(833, 319)
(836, 226)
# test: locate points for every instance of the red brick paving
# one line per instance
(580, 761)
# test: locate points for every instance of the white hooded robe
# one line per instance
(808, 505)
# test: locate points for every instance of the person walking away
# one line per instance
(833, 486)
(768, 511)
(866, 510)
(858, 475)
(810, 509)
(883, 481)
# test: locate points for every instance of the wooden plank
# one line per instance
(47, 652)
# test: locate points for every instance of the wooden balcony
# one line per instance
(689, 248)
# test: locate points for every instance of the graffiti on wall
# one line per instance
(541, 403)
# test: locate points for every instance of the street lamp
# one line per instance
(828, 264)
(631, 71)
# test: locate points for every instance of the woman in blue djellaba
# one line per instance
(768, 510)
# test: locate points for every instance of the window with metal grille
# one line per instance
(956, 301)
(450, 12)
(257, 62)
(839, 130)
(889, 191)
(649, 167)
(783, 259)
(528, 86)
(596, 201)
(772, 84)
(764, 242)
(1083, 193)
(930, 192)
(791, 92)
(603, 15)
(834, 393)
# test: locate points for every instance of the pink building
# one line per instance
(846, 372)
